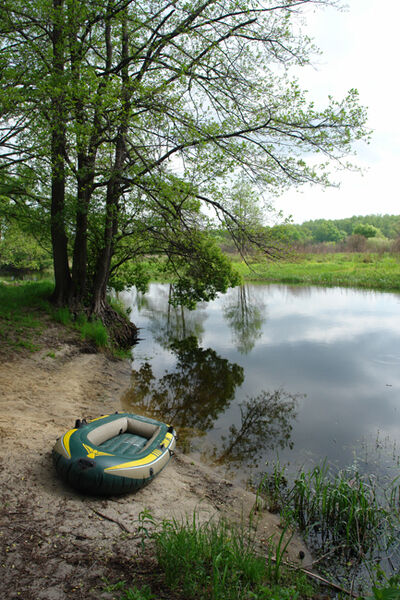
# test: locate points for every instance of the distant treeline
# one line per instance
(354, 234)
(323, 230)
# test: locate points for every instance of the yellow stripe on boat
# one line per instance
(98, 418)
(65, 441)
(167, 440)
(147, 460)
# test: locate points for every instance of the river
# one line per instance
(267, 372)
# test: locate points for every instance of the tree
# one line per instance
(265, 424)
(121, 120)
(247, 216)
(290, 233)
(245, 316)
(328, 232)
(193, 392)
(366, 230)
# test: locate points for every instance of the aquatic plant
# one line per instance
(344, 515)
(345, 509)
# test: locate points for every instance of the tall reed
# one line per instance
(345, 510)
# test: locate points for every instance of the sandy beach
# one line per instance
(56, 544)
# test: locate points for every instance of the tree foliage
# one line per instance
(367, 230)
(328, 232)
(388, 225)
(121, 120)
(19, 251)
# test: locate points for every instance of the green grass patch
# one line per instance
(363, 270)
(20, 313)
(209, 561)
(218, 561)
(62, 315)
(90, 330)
(22, 308)
(94, 331)
(126, 593)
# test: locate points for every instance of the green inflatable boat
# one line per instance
(113, 454)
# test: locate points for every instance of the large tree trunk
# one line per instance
(122, 331)
(103, 264)
(58, 147)
(80, 254)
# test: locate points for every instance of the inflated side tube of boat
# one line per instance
(113, 454)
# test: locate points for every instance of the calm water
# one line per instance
(273, 371)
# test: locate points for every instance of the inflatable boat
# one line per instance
(113, 454)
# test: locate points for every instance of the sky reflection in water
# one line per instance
(267, 370)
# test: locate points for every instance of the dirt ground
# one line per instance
(56, 544)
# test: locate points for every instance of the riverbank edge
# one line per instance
(359, 271)
(42, 520)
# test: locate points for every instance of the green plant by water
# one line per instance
(344, 516)
(217, 560)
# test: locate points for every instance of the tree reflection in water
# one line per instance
(266, 424)
(200, 386)
(193, 394)
(245, 316)
(170, 322)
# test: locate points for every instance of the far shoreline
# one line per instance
(380, 273)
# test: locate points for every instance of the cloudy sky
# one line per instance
(360, 50)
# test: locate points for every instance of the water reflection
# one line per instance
(192, 393)
(338, 347)
(265, 424)
(167, 322)
(245, 315)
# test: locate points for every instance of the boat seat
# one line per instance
(124, 436)
(126, 443)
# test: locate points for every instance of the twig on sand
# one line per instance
(103, 516)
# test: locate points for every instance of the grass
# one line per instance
(218, 561)
(95, 332)
(22, 308)
(361, 270)
(126, 593)
(344, 516)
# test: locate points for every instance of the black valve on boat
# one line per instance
(86, 463)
